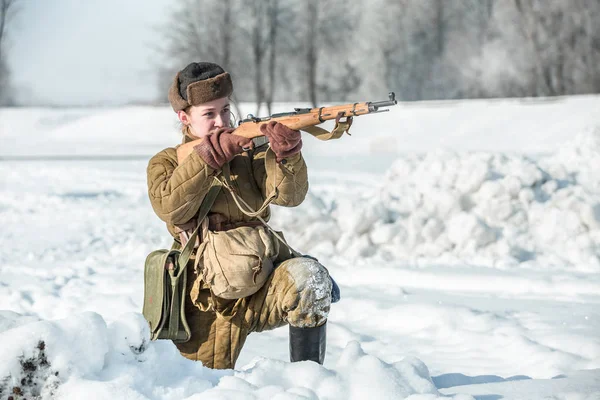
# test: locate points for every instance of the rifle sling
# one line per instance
(341, 127)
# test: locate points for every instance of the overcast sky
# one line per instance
(82, 52)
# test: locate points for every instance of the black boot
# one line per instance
(308, 344)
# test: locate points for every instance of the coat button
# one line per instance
(284, 161)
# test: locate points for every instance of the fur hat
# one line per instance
(199, 83)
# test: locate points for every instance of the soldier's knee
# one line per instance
(313, 290)
(309, 277)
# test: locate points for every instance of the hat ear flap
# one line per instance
(177, 102)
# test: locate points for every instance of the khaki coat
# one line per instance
(176, 192)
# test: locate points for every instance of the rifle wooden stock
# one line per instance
(303, 118)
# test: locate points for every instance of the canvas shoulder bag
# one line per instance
(165, 284)
(236, 263)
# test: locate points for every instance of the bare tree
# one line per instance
(411, 45)
(561, 45)
(273, 37)
(312, 14)
(327, 43)
(207, 30)
(197, 30)
(590, 57)
(540, 85)
(258, 13)
(200, 30)
(422, 49)
(482, 48)
(483, 16)
(273, 12)
(468, 30)
(8, 10)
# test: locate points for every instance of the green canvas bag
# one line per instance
(165, 284)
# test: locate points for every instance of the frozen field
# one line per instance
(465, 237)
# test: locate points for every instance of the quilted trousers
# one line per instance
(297, 293)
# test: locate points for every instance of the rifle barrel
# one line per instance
(376, 105)
(386, 103)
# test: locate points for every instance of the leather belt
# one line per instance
(217, 222)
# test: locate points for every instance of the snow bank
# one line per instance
(83, 357)
(483, 208)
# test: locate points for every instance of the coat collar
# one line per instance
(187, 135)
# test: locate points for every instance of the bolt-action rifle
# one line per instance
(306, 119)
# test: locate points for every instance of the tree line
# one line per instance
(334, 50)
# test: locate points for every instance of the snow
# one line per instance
(465, 237)
(501, 210)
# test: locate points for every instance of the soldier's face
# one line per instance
(206, 117)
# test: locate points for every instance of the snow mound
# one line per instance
(494, 209)
(83, 357)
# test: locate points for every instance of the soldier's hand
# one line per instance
(285, 142)
(220, 146)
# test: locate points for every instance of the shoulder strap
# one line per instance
(207, 203)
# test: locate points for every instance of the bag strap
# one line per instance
(246, 209)
(177, 312)
(207, 203)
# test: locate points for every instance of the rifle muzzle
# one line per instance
(376, 105)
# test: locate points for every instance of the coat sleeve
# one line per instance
(289, 178)
(176, 191)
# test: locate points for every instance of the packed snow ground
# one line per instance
(471, 270)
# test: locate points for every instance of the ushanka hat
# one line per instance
(199, 83)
